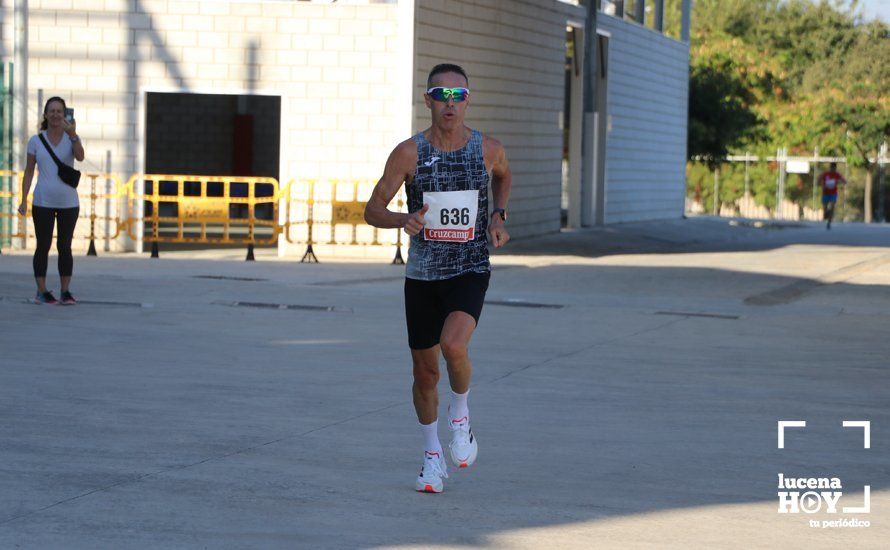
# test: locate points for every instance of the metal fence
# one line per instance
(785, 187)
(6, 152)
(215, 210)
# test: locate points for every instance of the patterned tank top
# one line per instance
(440, 171)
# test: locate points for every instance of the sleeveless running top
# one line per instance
(438, 171)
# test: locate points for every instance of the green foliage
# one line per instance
(729, 78)
(842, 104)
(720, 113)
(784, 73)
(731, 183)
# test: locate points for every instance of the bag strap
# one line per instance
(49, 149)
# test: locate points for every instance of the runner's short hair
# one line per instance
(446, 68)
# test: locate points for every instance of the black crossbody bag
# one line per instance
(69, 175)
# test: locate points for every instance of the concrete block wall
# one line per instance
(327, 62)
(6, 30)
(334, 67)
(648, 86)
(514, 54)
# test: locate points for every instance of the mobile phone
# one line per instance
(69, 115)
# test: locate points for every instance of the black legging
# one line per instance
(44, 219)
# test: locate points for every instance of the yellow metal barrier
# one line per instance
(8, 210)
(111, 213)
(199, 209)
(332, 212)
(87, 191)
(203, 209)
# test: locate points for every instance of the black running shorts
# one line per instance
(428, 303)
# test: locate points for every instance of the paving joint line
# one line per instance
(794, 291)
(142, 477)
(586, 348)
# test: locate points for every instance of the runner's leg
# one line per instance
(426, 378)
(455, 340)
(426, 404)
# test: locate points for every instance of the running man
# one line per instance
(830, 181)
(446, 170)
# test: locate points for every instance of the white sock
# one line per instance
(431, 437)
(458, 408)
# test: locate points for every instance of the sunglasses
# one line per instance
(444, 94)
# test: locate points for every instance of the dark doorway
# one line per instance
(602, 131)
(572, 113)
(212, 135)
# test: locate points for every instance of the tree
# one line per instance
(849, 102)
(720, 112)
(787, 73)
(729, 79)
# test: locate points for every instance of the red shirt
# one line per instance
(830, 182)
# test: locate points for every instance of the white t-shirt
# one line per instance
(51, 191)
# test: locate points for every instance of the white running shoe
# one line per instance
(463, 447)
(431, 473)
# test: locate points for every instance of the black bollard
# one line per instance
(398, 259)
(309, 256)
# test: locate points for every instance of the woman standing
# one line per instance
(53, 198)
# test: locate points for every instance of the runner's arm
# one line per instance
(501, 177)
(501, 183)
(399, 169)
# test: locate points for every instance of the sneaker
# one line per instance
(431, 473)
(463, 447)
(45, 298)
(68, 299)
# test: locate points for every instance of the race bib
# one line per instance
(830, 183)
(451, 216)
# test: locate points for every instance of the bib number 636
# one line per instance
(454, 216)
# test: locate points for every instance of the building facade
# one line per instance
(322, 91)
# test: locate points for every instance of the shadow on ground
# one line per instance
(702, 234)
(196, 422)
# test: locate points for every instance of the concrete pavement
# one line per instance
(628, 382)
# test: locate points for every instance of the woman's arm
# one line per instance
(76, 145)
(26, 183)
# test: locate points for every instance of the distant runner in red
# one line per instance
(830, 181)
(446, 171)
